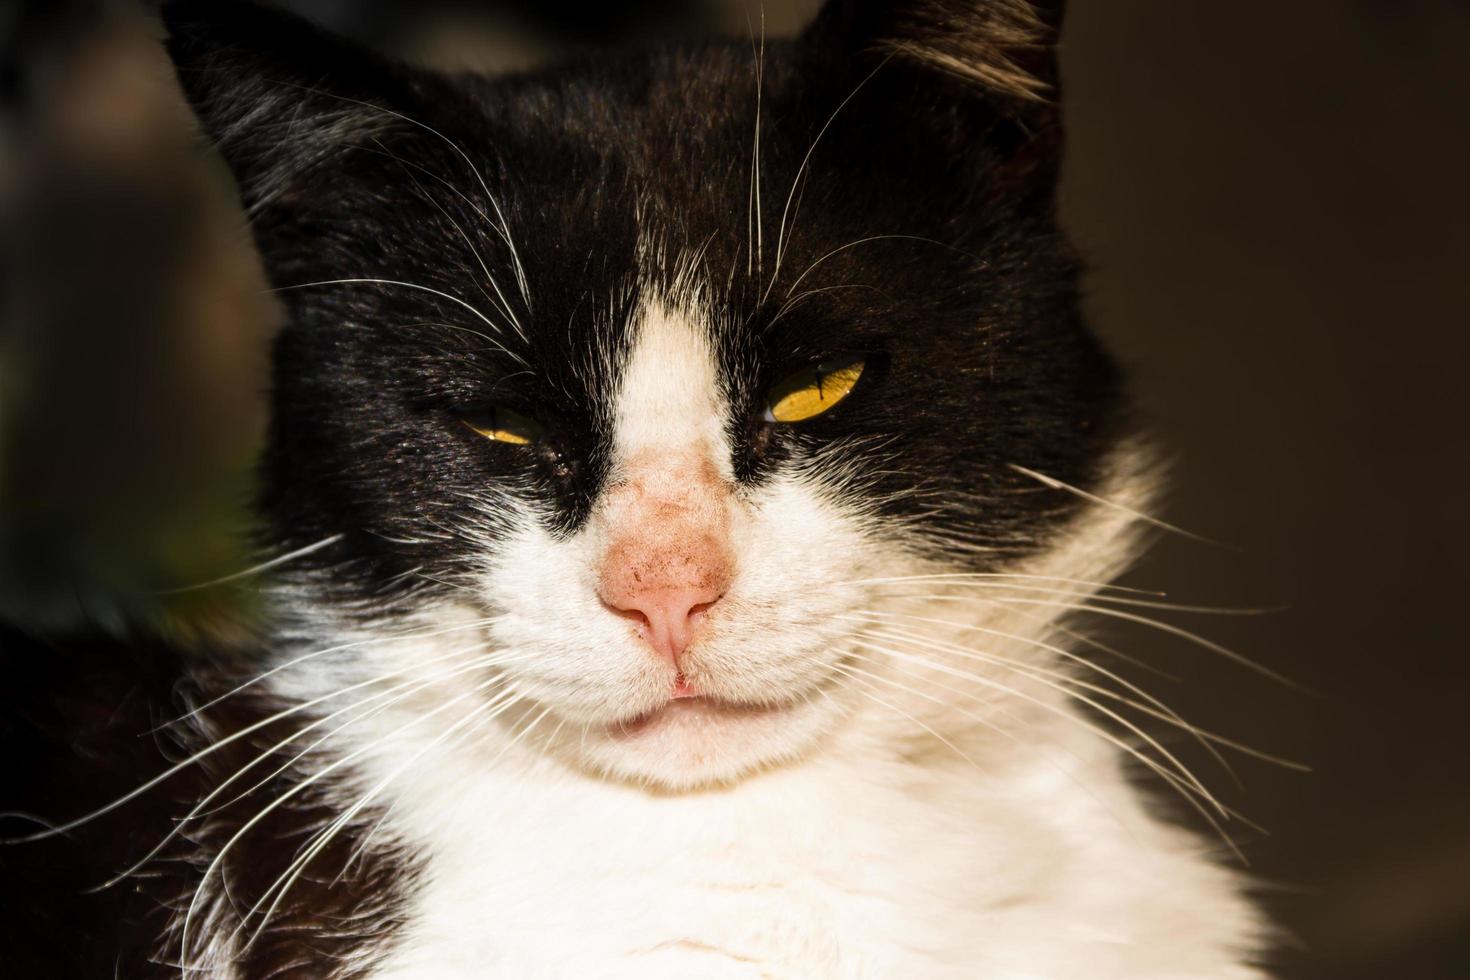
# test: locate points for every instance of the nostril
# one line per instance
(631, 613)
(666, 617)
(697, 611)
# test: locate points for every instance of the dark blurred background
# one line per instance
(1272, 196)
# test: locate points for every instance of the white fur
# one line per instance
(669, 396)
(950, 817)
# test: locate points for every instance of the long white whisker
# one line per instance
(856, 674)
(324, 837)
(1061, 682)
(800, 170)
(789, 304)
(1056, 484)
(864, 241)
(1115, 600)
(300, 787)
(882, 617)
(367, 838)
(1169, 628)
(1183, 770)
(961, 580)
(461, 328)
(353, 645)
(484, 216)
(980, 721)
(1149, 704)
(393, 282)
(255, 569)
(503, 229)
(502, 305)
(755, 221)
(1183, 782)
(394, 694)
(197, 756)
(1088, 640)
(1003, 578)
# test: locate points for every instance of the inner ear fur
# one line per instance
(1005, 49)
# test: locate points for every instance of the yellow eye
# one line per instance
(807, 394)
(503, 425)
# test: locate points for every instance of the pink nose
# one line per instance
(668, 555)
(666, 615)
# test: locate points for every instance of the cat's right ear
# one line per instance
(280, 97)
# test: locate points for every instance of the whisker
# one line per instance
(981, 721)
(494, 344)
(1001, 577)
(853, 673)
(1158, 710)
(1183, 781)
(353, 645)
(481, 716)
(1183, 770)
(392, 282)
(800, 170)
(1094, 594)
(412, 687)
(213, 747)
(367, 838)
(324, 837)
(875, 238)
(1056, 484)
(503, 304)
(1157, 624)
(255, 569)
(755, 221)
(882, 617)
(503, 229)
(1096, 644)
(395, 694)
(1063, 683)
(305, 784)
(792, 302)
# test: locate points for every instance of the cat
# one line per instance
(683, 464)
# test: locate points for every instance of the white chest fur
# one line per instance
(823, 870)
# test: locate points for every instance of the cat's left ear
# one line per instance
(1006, 48)
(976, 68)
(282, 99)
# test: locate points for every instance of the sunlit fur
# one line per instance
(900, 786)
(937, 811)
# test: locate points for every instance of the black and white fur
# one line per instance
(449, 758)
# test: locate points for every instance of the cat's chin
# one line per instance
(693, 742)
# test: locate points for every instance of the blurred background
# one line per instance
(1272, 198)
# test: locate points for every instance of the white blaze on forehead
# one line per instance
(670, 399)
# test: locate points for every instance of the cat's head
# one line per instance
(652, 376)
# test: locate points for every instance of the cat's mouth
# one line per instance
(699, 734)
(709, 729)
(690, 709)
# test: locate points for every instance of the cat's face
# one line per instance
(659, 369)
